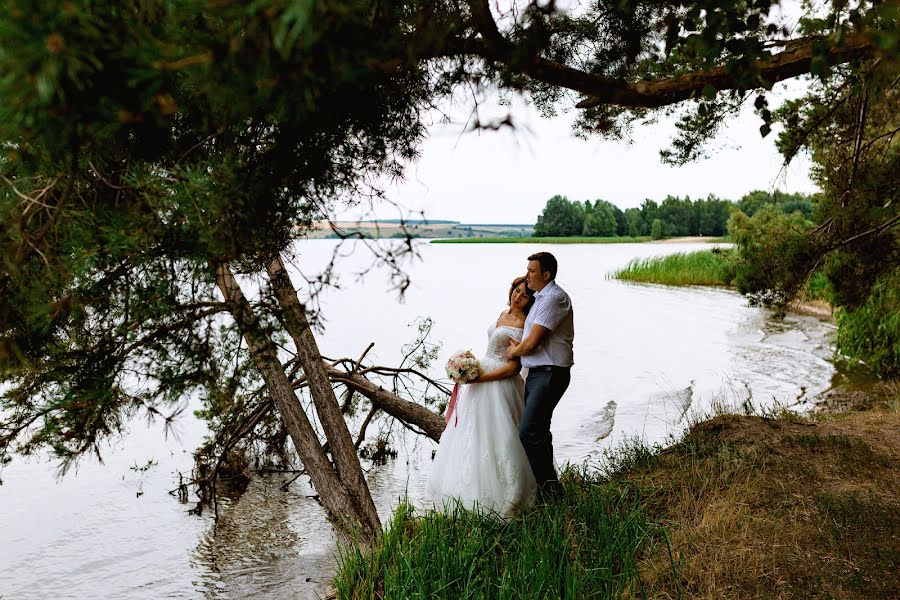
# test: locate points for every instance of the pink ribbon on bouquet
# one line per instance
(452, 406)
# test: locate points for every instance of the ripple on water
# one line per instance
(601, 425)
(268, 543)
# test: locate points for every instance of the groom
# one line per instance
(546, 350)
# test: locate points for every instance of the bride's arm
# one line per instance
(508, 370)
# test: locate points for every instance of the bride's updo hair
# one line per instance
(528, 291)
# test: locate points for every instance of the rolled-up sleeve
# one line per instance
(551, 311)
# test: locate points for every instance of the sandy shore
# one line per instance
(694, 239)
(813, 308)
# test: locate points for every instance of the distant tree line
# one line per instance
(674, 216)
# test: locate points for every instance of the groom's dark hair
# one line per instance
(548, 262)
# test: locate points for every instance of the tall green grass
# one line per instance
(586, 544)
(871, 332)
(706, 267)
(545, 240)
(817, 287)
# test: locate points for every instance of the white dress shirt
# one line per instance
(552, 309)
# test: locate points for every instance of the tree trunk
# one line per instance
(346, 461)
(408, 412)
(334, 496)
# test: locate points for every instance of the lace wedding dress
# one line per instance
(480, 461)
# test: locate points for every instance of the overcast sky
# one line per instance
(507, 176)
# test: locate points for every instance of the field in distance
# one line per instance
(431, 229)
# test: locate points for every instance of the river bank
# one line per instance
(715, 268)
(545, 240)
(581, 240)
(791, 506)
(741, 506)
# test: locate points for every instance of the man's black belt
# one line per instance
(547, 368)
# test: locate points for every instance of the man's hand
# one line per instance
(528, 344)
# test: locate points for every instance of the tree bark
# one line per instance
(334, 496)
(343, 451)
(408, 412)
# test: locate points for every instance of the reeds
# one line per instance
(706, 267)
(585, 544)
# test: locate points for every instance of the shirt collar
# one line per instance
(546, 289)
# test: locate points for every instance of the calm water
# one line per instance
(645, 356)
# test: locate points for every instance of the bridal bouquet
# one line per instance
(463, 367)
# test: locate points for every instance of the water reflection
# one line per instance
(261, 546)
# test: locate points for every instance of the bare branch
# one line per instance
(365, 424)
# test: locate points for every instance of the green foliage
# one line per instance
(787, 203)
(633, 221)
(561, 217)
(586, 544)
(774, 255)
(847, 236)
(677, 217)
(871, 331)
(818, 288)
(712, 216)
(144, 144)
(649, 213)
(657, 230)
(637, 41)
(600, 220)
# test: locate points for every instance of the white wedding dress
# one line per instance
(480, 461)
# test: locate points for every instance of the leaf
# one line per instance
(294, 22)
(709, 91)
(765, 130)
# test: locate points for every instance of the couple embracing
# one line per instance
(496, 452)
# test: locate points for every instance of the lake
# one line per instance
(646, 359)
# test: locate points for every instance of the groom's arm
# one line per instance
(526, 346)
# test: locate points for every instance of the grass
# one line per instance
(706, 267)
(545, 240)
(778, 507)
(871, 332)
(740, 507)
(714, 267)
(585, 544)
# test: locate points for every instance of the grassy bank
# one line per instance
(585, 544)
(544, 240)
(741, 507)
(787, 507)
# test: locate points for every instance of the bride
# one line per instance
(480, 461)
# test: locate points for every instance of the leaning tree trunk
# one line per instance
(410, 413)
(343, 451)
(335, 497)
